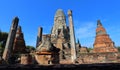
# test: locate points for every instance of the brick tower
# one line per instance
(103, 42)
(19, 42)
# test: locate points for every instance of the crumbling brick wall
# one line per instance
(88, 58)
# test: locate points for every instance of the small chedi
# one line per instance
(19, 42)
(46, 53)
(103, 43)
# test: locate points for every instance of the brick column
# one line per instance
(39, 36)
(72, 37)
(10, 40)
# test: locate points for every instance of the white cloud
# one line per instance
(85, 32)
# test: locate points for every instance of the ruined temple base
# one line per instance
(90, 58)
(66, 61)
(45, 58)
(26, 59)
(104, 49)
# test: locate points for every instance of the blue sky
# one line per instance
(36, 13)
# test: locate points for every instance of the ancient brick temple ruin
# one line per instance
(61, 37)
(103, 42)
(19, 42)
(60, 46)
(104, 50)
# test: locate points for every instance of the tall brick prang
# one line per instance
(60, 33)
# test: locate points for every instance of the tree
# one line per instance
(118, 47)
(89, 49)
(3, 36)
(3, 39)
(0, 33)
(30, 48)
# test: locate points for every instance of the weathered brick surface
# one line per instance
(19, 42)
(26, 59)
(46, 58)
(83, 50)
(88, 58)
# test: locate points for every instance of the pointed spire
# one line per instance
(14, 21)
(99, 23)
(19, 29)
(59, 22)
(59, 13)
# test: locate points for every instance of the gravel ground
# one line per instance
(101, 66)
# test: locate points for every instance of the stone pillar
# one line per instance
(72, 37)
(39, 36)
(10, 40)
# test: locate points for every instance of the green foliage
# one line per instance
(3, 39)
(1, 48)
(30, 47)
(89, 49)
(3, 36)
(0, 33)
(118, 47)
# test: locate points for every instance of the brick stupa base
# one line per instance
(103, 49)
(45, 58)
